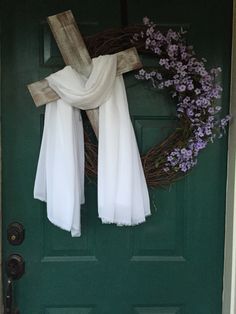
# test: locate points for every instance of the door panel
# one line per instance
(173, 263)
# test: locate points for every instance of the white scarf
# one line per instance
(122, 191)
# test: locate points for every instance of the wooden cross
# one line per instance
(75, 54)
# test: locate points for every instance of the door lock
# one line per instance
(15, 268)
(15, 233)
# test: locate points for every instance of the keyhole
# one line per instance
(13, 237)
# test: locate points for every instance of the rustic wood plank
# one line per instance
(128, 60)
(70, 42)
(73, 50)
(75, 53)
(42, 94)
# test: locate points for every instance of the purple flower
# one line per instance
(211, 118)
(136, 37)
(158, 36)
(199, 102)
(190, 112)
(208, 131)
(203, 72)
(148, 41)
(192, 85)
(224, 121)
(181, 88)
(180, 109)
(158, 76)
(200, 144)
(162, 61)
(179, 64)
(186, 100)
(211, 110)
(206, 88)
(142, 72)
(183, 167)
(168, 83)
(189, 153)
(199, 132)
(146, 20)
(173, 48)
(157, 50)
(216, 71)
(171, 54)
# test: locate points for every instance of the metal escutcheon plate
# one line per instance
(15, 233)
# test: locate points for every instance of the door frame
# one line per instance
(229, 276)
(1, 277)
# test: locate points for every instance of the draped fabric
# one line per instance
(122, 191)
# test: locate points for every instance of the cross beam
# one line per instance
(75, 54)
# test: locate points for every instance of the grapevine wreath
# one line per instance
(190, 84)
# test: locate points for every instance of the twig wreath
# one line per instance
(189, 83)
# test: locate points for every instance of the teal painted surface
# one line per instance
(171, 264)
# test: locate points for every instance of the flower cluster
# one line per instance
(192, 85)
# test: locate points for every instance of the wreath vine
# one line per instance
(191, 85)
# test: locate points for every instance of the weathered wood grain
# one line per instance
(128, 60)
(42, 94)
(75, 53)
(70, 42)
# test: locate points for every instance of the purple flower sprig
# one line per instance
(194, 87)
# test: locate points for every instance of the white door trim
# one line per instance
(229, 280)
(1, 279)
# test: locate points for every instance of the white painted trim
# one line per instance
(229, 292)
(1, 279)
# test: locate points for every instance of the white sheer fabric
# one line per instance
(122, 191)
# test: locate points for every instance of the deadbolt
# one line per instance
(15, 233)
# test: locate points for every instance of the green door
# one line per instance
(171, 264)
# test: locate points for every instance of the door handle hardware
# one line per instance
(15, 268)
(8, 305)
(15, 233)
(9, 299)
